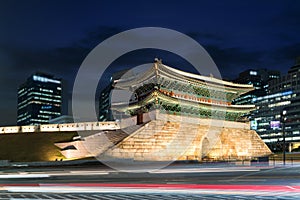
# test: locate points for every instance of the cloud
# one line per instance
(282, 58)
(287, 52)
(97, 35)
(19, 62)
(231, 61)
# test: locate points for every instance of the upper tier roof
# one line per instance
(161, 70)
(207, 79)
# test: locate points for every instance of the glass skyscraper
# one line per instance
(39, 99)
(267, 119)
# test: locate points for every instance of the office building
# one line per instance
(268, 119)
(104, 104)
(105, 112)
(259, 78)
(39, 99)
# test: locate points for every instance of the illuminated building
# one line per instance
(283, 94)
(177, 115)
(259, 78)
(104, 104)
(179, 92)
(39, 99)
(63, 119)
(170, 115)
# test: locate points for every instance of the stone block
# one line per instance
(173, 138)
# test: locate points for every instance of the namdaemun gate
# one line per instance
(173, 115)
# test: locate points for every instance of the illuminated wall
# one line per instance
(83, 126)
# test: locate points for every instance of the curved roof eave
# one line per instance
(150, 97)
(209, 79)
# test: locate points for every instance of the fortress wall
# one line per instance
(171, 137)
(82, 126)
(11, 129)
(28, 129)
(72, 127)
(49, 128)
(103, 125)
(131, 121)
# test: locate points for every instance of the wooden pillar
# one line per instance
(139, 119)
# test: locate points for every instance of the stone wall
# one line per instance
(171, 137)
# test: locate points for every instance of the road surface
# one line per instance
(177, 181)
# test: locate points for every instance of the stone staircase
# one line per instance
(93, 145)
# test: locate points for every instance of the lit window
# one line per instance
(254, 73)
(44, 79)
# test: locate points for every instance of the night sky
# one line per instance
(55, 36)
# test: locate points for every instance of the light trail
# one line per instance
(13, 176)
(153, 188)
(214, 170)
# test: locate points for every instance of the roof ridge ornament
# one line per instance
(159, 61)
(156, 63)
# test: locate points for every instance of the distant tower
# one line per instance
(39, 99)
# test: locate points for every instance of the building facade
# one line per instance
(259, 78)
(39, 99)
(268, 120)
(105, 100)
(105, 104)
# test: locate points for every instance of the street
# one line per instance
(177, 181)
